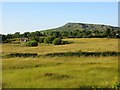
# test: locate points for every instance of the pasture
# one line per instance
(61, 72)
(79, 44)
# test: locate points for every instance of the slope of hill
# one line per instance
(82, 26)
(70, 30)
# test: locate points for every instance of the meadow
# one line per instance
(82, 44)
(61, 72)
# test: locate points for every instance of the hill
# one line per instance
(82, 26)
(82, 30)
(69, 30)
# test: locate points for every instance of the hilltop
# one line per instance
(82, 30)
(70, 30)
(83, 26)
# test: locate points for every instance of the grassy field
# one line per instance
(83, 44)
(61, 72)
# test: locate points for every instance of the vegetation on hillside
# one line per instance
(80, 30)
(69, 30)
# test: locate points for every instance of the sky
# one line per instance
(35, 16)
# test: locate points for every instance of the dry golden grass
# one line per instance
(83, 44)
(61, 72)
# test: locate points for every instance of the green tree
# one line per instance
(27, 35)
(38, 33)
(41, 40)
(64, 34)
(9, 36)
(4, 38)
(32, 43)
(108, 31)
(38, 39)
(17, 35)
(49, 39)
(57, 41)
(56, 34)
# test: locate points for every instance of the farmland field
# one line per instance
(83, 44)
(61, 72)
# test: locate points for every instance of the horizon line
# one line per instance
(63, 25)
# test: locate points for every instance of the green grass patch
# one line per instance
(60, 72)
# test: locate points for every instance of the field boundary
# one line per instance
(63, 54)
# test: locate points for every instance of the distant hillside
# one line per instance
(69, 30)
(81, 26)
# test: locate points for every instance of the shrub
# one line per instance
(38, 39)
(49, 39)
(57, 41)
(35, 39)
(32, 43)
(9, 40)
(117, 85)
(41, 40)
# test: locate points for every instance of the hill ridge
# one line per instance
(70, 26)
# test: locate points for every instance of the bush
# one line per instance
(117, 85)
(35, 39)
(57, 41)
(9, 40)
(38, 39)
(41, 40)
(49, 39)
(32, 43)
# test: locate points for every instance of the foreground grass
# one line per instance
(60, 72)
(79, 44)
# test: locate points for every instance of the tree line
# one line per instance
(108, 33)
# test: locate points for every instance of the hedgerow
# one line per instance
(22, 55)
(66, 54)
(83, 54)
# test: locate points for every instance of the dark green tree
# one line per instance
(57, 41)
(17, 35)
(56, 34)
(4, 38)
(27, 35)
(49, 39)
(32, 43)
